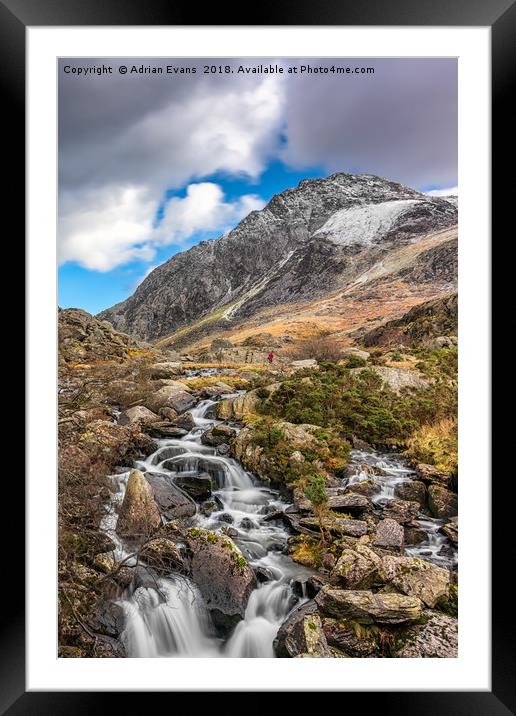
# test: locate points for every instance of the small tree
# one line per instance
(315, 491)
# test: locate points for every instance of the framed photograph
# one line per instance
(258, 291)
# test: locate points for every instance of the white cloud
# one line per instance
(111, 226)
(451, 191)
(203, 209)
(106, 227)
(111, 182)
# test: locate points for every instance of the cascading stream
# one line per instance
(167, 617)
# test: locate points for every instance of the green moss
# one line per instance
(361, 404)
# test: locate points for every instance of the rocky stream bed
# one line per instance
(217, 576)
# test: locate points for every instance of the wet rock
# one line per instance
(442, 502)
(264, 574)
(368, 608)
(356, 570)
(222, 574)
(451, 530)
(108, 618)
(413, 491)
(197, 486)
(437, 638)
(309, 587)
(248, 524)
(401, 511)
(217, 435)
(164, 555)
(226, 517)
(166, 429)
(416, 578)
(171, 502)
(359, 444)
(139, 514)
(138, 414)
(389, 535)
(302, 634)
(414, 535)
(223, 449)
(210, 506)
(429, 474)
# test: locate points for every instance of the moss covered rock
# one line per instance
(222, 574)
(416, 578)
(368, 608)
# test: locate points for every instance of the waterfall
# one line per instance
(167, 617)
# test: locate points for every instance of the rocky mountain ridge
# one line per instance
(307, 242)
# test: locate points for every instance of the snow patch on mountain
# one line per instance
(363, 224)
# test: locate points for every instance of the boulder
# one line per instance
(166, 429)
(138, 414)
(108, 618)
(351, 502)
(216, 390)
(412, 491)
(356, 570)
(366, 607)
(168, 369)
(389, 535)
(416, 578)
(185, 421)
(172, 502)
(368, 488)
(171, 396)
(222, 574)
(302, 634)
(443, 503)
(435, 639)
(337, 526)
(451, 530)
(302, 364)
(217, 435)
(401, 511)
(238, 408)
(197, 486)
(429, 474)
(355, 352)
(168, 414)
(164, 555)
(399, 378)
(139, 514)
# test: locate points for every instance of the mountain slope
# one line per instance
(306, 243)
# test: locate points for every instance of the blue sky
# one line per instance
(149, 167)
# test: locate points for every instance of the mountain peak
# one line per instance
(307, 240)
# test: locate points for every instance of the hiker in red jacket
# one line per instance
(270, 357)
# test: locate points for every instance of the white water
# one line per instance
(388, 471)
(167, 617)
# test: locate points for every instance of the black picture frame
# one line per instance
(500, 16)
